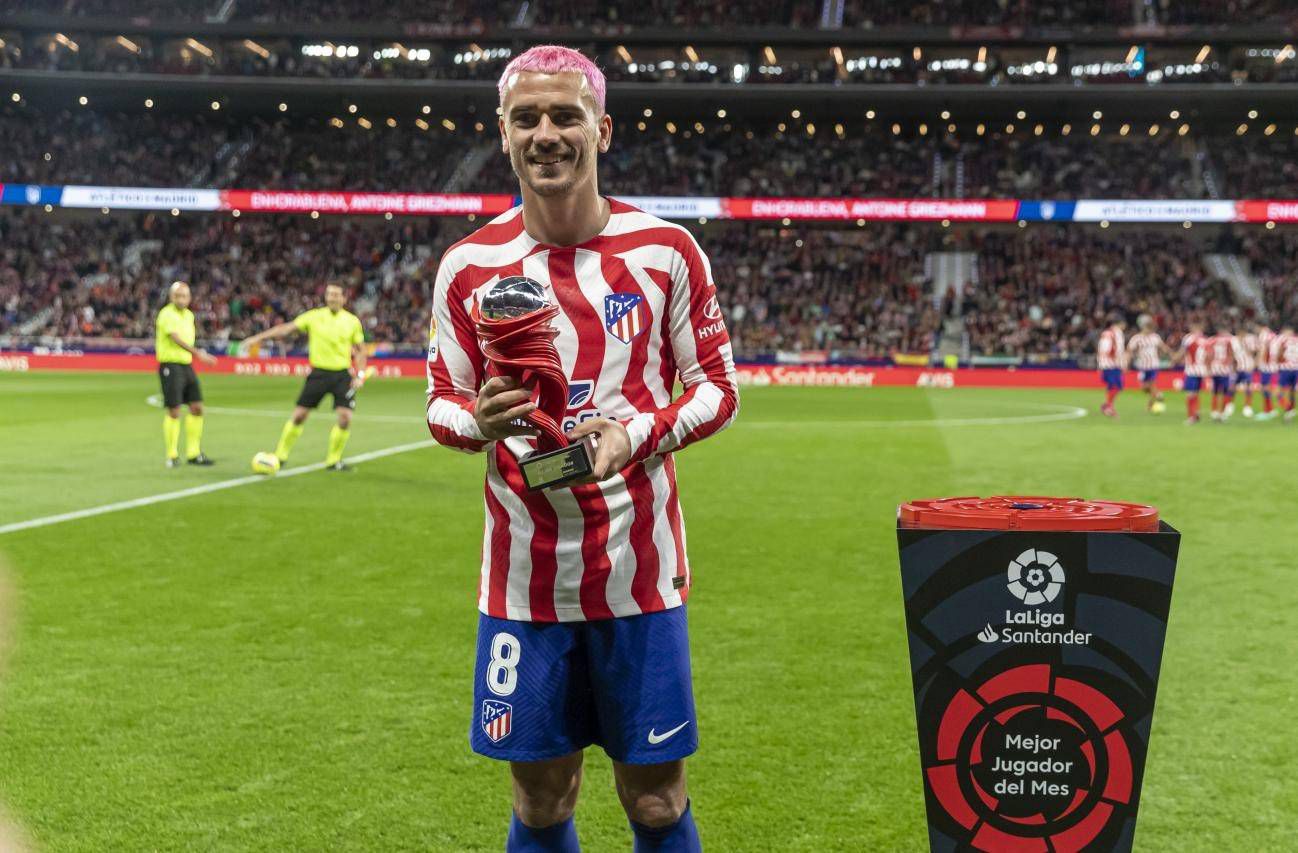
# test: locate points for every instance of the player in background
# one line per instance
(174, 332)
(582, 631)
(1111, 355)
(1221, 366)
(1263, 338)
(1193, 355)
(1285, 353)
(1245, 365)
(336, 350)
(1145, 351)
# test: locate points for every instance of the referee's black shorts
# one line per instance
(320, 382)
(179, 384)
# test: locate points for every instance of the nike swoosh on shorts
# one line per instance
(655, 738)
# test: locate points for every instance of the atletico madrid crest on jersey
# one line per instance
(625, 315)
(496, 719)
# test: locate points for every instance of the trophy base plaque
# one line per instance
(557, 467)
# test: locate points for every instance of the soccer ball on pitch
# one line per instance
(265, 463)
(1159, 407)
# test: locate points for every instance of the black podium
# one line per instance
(1036, 630)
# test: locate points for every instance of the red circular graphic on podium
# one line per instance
(1031, 761)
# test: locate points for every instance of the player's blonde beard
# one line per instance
(12, 839)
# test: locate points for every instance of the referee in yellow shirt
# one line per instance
(335, 348)
(174, 347)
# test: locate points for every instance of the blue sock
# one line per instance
(560, 838)
(680, 837)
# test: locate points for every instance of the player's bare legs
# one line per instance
(299, 415)
(545, 797)
(655, 799)
(651, 794)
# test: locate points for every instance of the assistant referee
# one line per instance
(174, 346)
(335, 348)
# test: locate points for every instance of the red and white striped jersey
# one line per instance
(1284, 350)
(1111, 352)
(1265, 358)
(1195, 347)
(1221, 354)
(1245, 349)
(1146, 346)
(615, 548)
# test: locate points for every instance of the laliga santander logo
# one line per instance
(1035, 577)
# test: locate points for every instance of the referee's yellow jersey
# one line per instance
(178, 320)
(330, 337)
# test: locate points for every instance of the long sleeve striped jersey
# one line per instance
(638, 313)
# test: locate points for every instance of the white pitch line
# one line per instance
(204, 489)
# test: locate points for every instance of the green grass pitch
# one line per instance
(286, 665)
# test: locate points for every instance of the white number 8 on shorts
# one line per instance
(502, 672)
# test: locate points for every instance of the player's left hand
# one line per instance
(612, 451)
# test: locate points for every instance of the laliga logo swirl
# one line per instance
(1035, 577)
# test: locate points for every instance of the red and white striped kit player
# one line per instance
(1111, 352)
(1146, 346)
(1221, 354)
(1245, 360)
(617, 547)
(1262, 348)
(1284, 349)
(1196, 346)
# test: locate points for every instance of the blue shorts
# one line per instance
(1112, 378)
(1192, 384)
(1265, 379)
(1288, 379)
(546, 689)
(1243, 379)
(1220, 384)
(1148, 375)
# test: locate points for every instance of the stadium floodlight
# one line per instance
(421, 124)
(315, 214)
(148, 103)
(15, 97)
(425, 109)
(1203, 53)
(103, 210)
(235, 213)
(1104, 223)
(946, 114)
(868, 114)
(1097, 115)
(721, 113)
(351, 108)
(1021, 114)
(175, 212)
(283, 107)
(1066, 129)
(448, 124)
(1174, 115)
(216, 105)
(1252, 114)
(1270, 225)
(49, 208)
(796, 113)
(1124, 130)
(83, 100)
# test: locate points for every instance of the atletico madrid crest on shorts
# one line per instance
(496, 719)
(625, 315)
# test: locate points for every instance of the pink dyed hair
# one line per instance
(552, 59)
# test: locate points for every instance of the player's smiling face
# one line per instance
(553, 131)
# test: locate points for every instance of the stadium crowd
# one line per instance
(1040, 293)
(795, 158)
(1046, 291)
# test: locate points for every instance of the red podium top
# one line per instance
(1028, 513)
